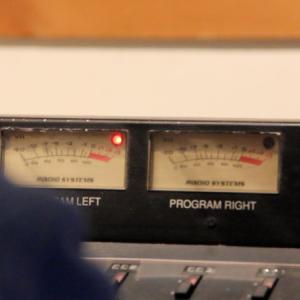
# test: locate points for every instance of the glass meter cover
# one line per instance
(65, 159)
(215, 162)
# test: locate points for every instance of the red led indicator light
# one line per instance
(117, 139)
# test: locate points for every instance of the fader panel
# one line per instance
(230, 183)
(170, 272)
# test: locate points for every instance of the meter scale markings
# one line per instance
(68, 159)
(194, 154)
(60, 151)
(215, 162)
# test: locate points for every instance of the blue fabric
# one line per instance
(39, 250)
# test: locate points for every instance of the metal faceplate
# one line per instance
(151, 271)
(134, 211)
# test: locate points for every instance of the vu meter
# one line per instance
(65, 159)
(215, 162)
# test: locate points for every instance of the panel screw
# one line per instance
(210, 222)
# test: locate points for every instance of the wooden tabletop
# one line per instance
(151, 19)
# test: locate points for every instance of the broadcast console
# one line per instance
(176, 209)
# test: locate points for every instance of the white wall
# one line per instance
(150, 82)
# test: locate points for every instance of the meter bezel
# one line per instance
(151, 149)
(61, 131)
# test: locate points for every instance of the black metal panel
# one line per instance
(139, 215)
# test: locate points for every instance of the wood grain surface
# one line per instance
(151, 19)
